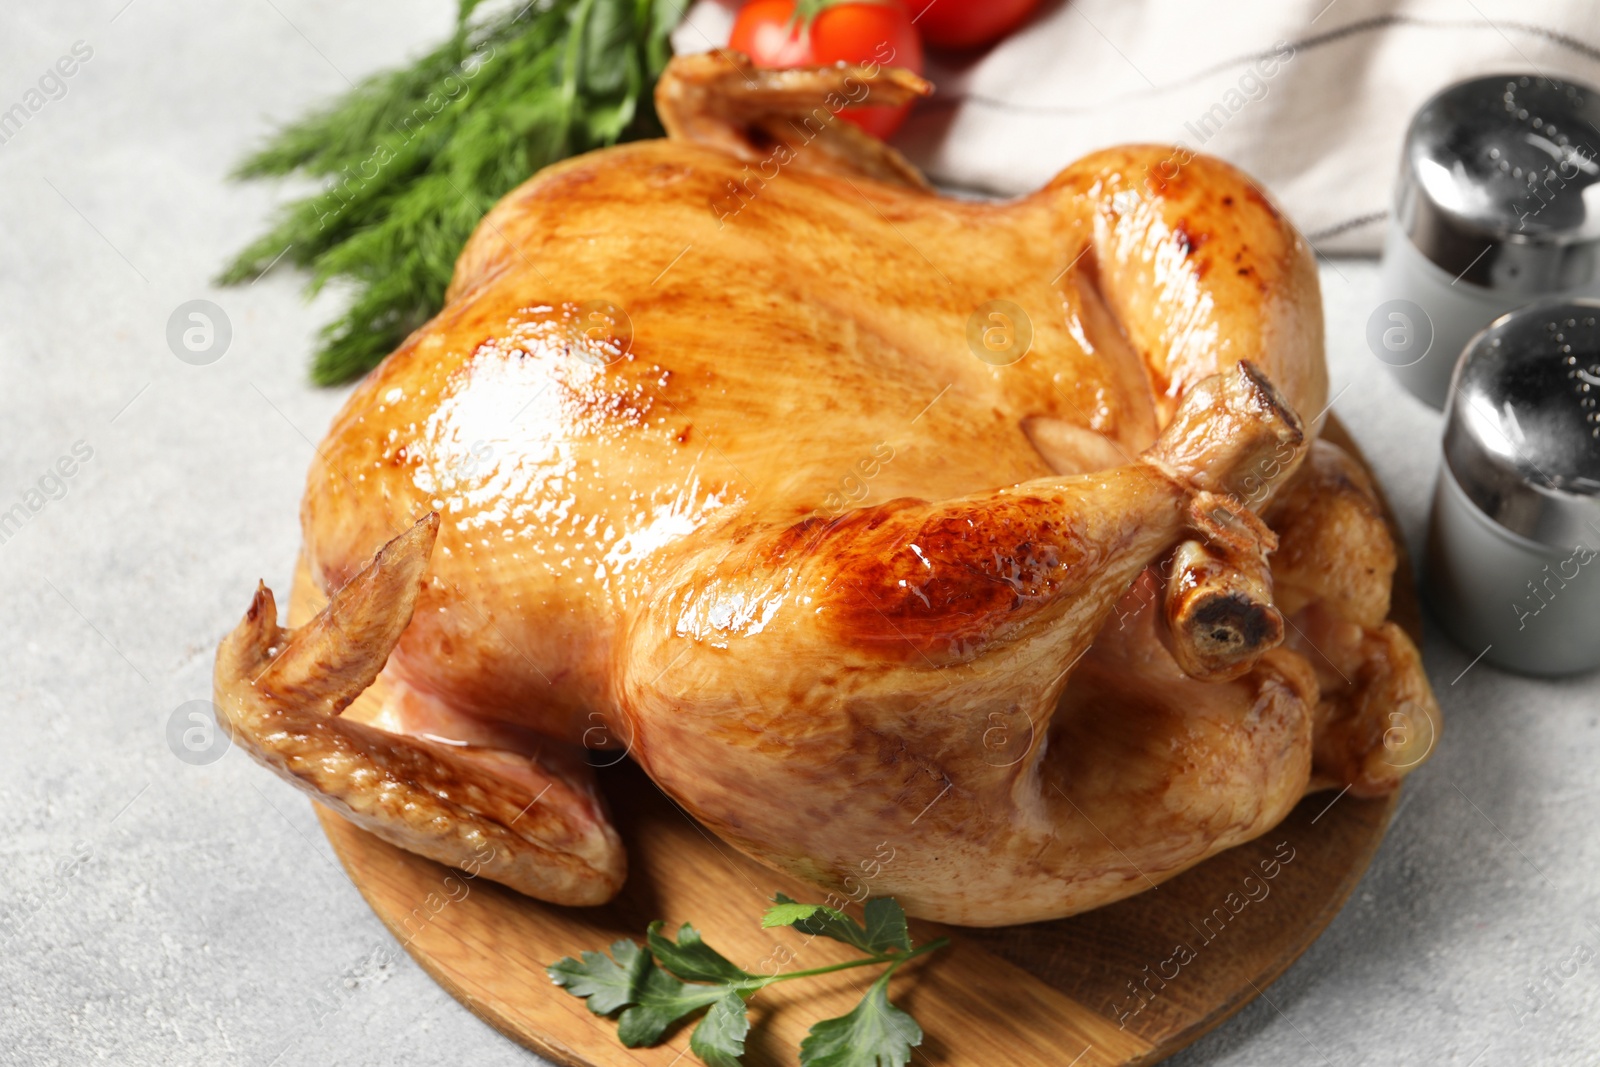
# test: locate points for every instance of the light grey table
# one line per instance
(157, 912)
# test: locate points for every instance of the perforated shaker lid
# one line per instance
(1522, 430)
(1498, 183)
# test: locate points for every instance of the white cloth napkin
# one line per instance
(1310, 97)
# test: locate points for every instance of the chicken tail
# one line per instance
(537, 825)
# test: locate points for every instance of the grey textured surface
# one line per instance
(157, 912)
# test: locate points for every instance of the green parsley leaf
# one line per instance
(667, 981)
(875, 1034)
(609, 983)
(787, 911)
(691, 958)
(719, 1039)
(660, 1001)
(886, 925)
(885, 929)
(817, 919)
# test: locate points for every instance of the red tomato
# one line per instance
(969, 23)
(854, 32)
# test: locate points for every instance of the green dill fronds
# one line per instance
(411, 159)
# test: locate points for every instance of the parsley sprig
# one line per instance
(654, 986)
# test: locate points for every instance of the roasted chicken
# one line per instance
(997, 532)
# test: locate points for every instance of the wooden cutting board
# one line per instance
(1131, 983)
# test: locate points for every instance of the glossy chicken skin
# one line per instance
(730, 475)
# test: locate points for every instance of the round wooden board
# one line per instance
(1043, 995)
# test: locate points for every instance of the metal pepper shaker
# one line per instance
(1513, 564)
(1492, 210)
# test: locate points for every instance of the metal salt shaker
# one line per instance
(1492, 210)
(1514, 541)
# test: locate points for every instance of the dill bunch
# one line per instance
(411, 159)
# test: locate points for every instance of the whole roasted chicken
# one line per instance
(999, 532)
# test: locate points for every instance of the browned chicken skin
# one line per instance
(721, 480)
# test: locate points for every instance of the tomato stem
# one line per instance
(806, 12)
